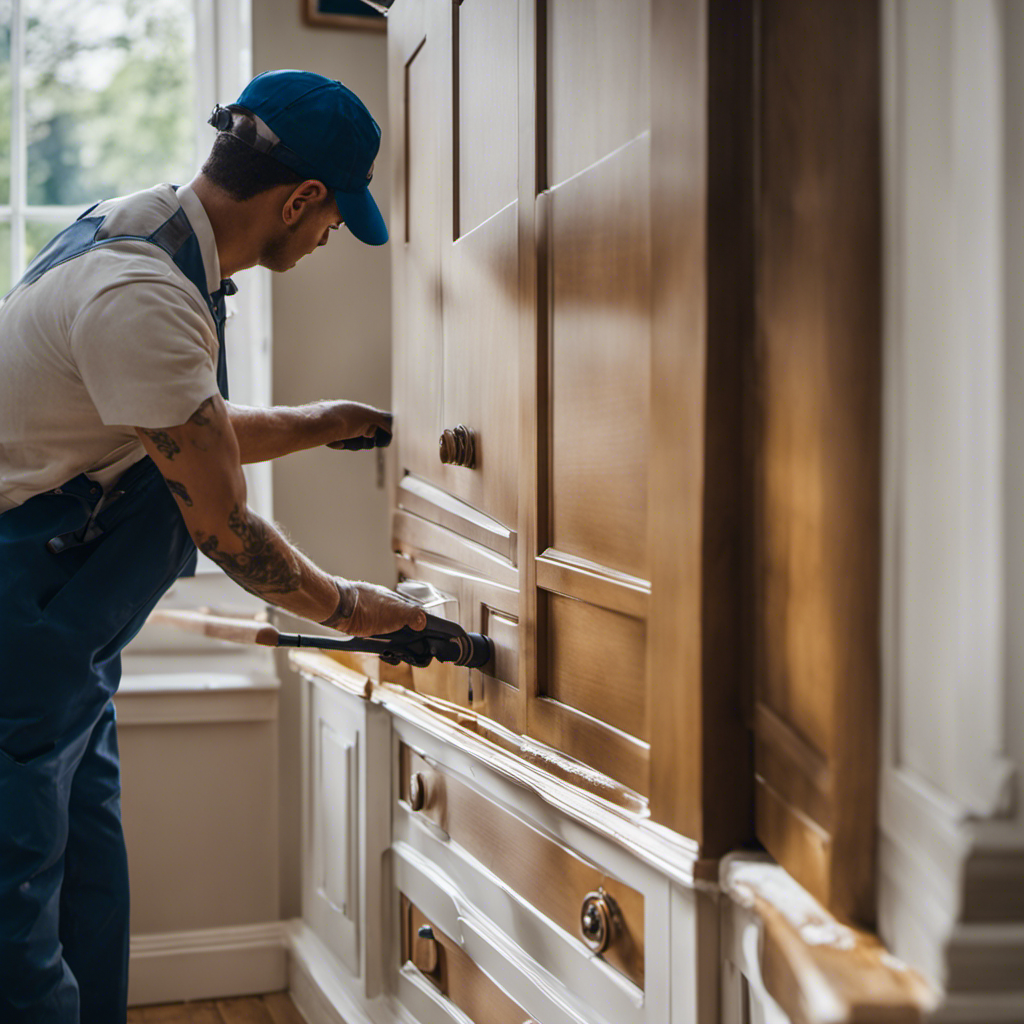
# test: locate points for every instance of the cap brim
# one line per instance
(361, 216)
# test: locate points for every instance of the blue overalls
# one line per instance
(77, 580)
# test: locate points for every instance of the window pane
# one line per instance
(109, 97)
(5, 258)
(6, 14)
(38, 233)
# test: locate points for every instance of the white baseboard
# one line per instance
(208, 964)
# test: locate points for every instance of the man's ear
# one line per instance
(308, 195)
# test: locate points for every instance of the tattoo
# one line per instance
(347, 597)
(179, 490)
(163, 442)
(199, 417)
(264, 566)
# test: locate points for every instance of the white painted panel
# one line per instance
(337, 821)
(332, 855)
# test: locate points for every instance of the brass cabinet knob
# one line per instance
(417, 791)
(424, 949)
(599, 920)
(457, 447)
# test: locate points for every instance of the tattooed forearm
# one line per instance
(346, 605)
(179, 490)
(163, 442)
(264, 566)
(199, 417)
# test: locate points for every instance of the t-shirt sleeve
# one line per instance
(145, 354)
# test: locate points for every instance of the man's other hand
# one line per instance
(364, 609)
(360, 426)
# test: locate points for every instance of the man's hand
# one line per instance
(362, 426)
(364, 609)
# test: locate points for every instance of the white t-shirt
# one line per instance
(113, 339)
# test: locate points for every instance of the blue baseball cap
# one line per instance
(320, 130)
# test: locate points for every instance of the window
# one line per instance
(98, 100)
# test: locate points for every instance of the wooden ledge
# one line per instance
(818, 970)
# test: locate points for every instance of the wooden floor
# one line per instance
(275, 1008)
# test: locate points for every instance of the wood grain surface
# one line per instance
(273, 1008)
(817, 968)
(817, 479)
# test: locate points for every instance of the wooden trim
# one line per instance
(817, 504)
(819, 970)
(532, 420)
(432, 503)
(415, 535)
(612, 752)
(587, 581)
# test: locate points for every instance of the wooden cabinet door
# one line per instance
(453, 81)
(480, 252)
(592, 568)
(817, 507)
(416, 53)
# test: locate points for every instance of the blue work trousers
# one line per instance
(64, 900)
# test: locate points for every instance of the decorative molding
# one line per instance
(208, 963)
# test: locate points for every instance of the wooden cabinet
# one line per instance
(524, 310)
(636, 257)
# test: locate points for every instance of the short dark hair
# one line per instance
(243, 172)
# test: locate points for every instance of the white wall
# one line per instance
(332, 321)
(952, 842)
(331, 339)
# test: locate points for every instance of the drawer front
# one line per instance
(441, 960)
(565, 887)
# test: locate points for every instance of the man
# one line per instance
(119, 454)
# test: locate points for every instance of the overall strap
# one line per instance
(178, 239)
(175, 236)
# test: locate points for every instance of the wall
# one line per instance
(331, 339)
(952, 845)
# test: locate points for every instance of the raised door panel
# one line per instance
(416, 44)
(599, 361)
(480, 253)
(817, 487)
(331, 898)
(593, 215)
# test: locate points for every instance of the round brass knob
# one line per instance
(598, 920)
(417, 791)
(457, 447)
